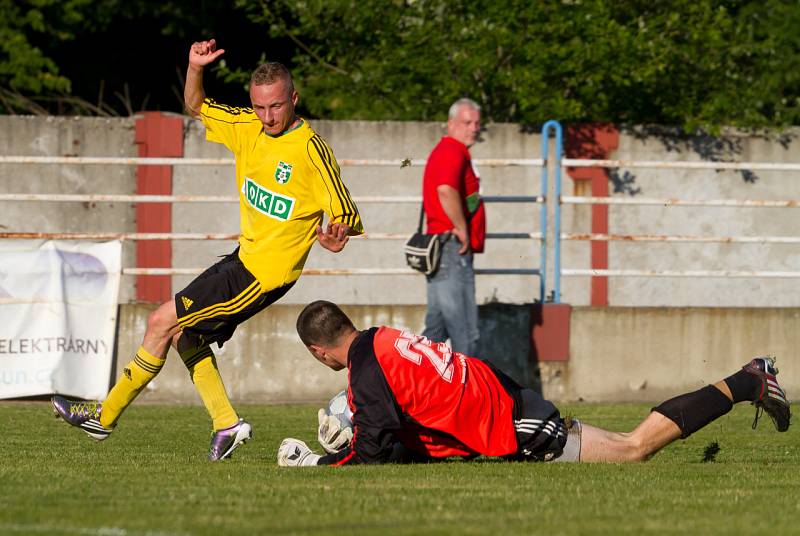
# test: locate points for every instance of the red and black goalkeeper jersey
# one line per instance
(403, 387)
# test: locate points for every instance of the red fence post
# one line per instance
(157, 135)
(594, 141)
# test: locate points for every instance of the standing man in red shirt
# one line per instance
(405, 389)
(455, 211)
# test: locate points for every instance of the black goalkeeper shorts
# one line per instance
(221, 298)
(541, 434)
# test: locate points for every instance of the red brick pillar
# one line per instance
(157, 135)
(594, 141)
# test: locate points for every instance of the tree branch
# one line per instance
(302, 45)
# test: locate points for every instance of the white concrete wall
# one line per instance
(645, 353)
(652, 353)
(616, 353)
(61, 136)
(387, 140)
(356, 139)
(371, 140)
(705, 221)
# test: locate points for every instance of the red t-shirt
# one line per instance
(450, 163)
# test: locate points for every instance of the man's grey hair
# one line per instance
(464, 101)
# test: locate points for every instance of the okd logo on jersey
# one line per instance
(283, 172)
(270, 203)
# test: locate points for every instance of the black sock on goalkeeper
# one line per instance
(743, 385)
(693, 411)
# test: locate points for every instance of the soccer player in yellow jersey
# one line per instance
(287, 177)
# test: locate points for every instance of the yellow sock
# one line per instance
(202, 367)
(135, 376)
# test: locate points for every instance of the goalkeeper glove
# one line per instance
(331, 435)
(295, 453)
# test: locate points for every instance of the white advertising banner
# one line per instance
(58, 314)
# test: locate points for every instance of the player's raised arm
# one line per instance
(201, 54)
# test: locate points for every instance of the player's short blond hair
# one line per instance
(271, 72)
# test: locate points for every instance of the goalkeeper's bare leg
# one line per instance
(681, 416)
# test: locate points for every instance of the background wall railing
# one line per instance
(359, 200)
(673, 202)
(563, 163)
(550, 239)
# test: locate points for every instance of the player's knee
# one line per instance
(640, 452)
(636, 448)
(161, 322)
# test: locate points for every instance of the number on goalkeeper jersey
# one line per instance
(415, 348)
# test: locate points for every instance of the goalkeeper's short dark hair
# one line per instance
(323, 323)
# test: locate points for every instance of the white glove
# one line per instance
(331, 435)
(295, 453)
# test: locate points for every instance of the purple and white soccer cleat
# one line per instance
(84, 415)
(770, 397)
(225, 441)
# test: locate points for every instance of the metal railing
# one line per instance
(345, 162)
(551, 128)
(562, 162)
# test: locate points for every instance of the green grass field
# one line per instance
(151, 477)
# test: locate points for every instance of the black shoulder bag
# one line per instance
(423, 251)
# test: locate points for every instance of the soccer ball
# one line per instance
(339, 408)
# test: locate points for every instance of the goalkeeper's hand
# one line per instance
(295, 453)
(330, 434)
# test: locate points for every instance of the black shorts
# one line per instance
(219, 299)
(541, 434)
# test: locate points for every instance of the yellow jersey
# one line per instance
(285, 183)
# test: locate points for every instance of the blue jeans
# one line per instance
(452, 311)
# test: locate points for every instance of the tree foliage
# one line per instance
(115, 57)
(689, 63)
(28, 28)
(696, 64)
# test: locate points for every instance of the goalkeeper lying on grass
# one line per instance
(406, 389)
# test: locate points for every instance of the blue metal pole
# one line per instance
(543, 215)
(556, 127)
